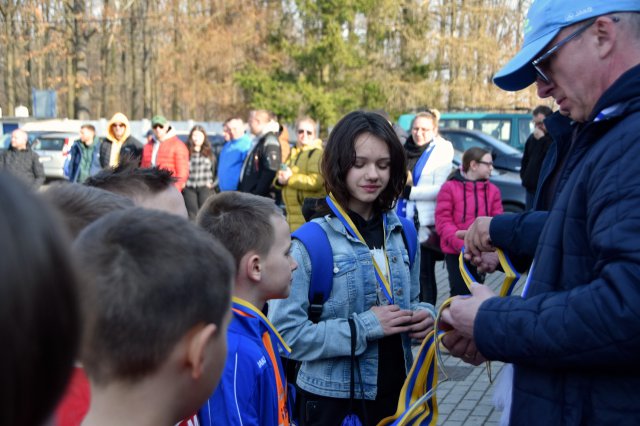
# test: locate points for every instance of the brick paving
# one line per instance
(466, 398)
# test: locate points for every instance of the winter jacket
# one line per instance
(534, 153)
(324, 348)
(24, 164)
(460, 201)
(230, 162)
(306, 181)
(247, 393)
(173, 155)
(574, 338)
(128, 146)
(423, 193)
(260, 167)
(72, 163)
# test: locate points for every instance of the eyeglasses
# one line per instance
(486, 163)
(117, 125)
(158, 126)
(308, 132)
(540, 59)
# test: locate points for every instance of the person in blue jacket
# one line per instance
(84, 156)
(253, 388)
(573, 336)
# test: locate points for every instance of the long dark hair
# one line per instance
(206, 145)
(339, 157)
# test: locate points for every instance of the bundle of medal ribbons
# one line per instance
(417, 404)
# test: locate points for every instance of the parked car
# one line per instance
(53, 149)
(510, 128)
(505, 157)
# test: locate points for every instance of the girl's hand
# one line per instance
(421, 324)
(393, 319)
(284, 175)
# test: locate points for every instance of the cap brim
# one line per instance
(519, 73)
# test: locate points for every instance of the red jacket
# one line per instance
(459, 203)
(173, 155)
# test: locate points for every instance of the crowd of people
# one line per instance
(166, 283)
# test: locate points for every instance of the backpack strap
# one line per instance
(315, 240)
(410, 236)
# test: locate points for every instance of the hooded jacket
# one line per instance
(74, 159)
(574, 338)
(126, 146)
(173, 155)
(460, 201)
(305, 182)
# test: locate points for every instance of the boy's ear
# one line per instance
(197, 347)
(252, 265)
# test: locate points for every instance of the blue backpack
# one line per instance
(315, 240)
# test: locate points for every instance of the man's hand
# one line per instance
(463, 348)
(421, 324)
(476, 239)
(393, 319)
(461, 313)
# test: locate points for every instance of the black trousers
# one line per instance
(456, 282)
(428, 285)
(316, 410)
(194, 198)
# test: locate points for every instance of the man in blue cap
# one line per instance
(574, 335)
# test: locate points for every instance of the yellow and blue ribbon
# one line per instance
(351, 228)
(417, 404)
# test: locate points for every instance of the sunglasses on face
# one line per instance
(158, 126)
(117, 125)
(308, 132)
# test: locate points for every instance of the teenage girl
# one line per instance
(364, 169)
(465, 196)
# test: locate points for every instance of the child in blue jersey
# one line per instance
(374, 282)
(253, 388)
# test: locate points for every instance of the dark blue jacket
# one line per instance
(575, 338)
(72, 165)
(247, 393)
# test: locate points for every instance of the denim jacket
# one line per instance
(325, 348)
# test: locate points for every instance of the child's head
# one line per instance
(353, 132)
(80, 205)
(39, 313)
(477, 163)
(257, 235)
(157, 297)
(152, 188)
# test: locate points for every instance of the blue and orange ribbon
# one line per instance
(417, 404)
(381, 278)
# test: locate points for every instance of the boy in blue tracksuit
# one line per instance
(253, 388)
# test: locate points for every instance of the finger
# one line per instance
(461, 234)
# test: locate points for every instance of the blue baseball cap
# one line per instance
(545, 19)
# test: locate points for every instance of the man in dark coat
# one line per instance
(535, 150)
(21, 161)
(574, 335)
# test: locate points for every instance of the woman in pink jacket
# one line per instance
(466, 195)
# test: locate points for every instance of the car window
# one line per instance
(462, 142)
(525, 128)
(48, 144)
(498, 128)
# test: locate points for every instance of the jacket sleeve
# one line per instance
(270, 163)
(525, 157)
(595, 323)
(182, 165)
(445, 224)
(518, 233)
(309, 179)
(326, 339)
(38, 171)
(496, 201)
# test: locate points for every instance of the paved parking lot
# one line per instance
(466, 398)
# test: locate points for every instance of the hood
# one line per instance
(118, 118)
(460, 177)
